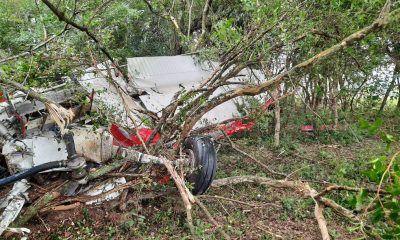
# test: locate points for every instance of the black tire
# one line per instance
(204, 157)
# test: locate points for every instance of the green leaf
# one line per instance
(377, 215)
(364, 124)
(360, 198)
(373, 128)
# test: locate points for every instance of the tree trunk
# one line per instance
(333, 93)
(277, 112)
(356, 93)
(398, 96)
(390, 88)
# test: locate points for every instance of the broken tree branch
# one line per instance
(186, 195)
(212, 220)
(346, 188)
(189, 199)
(227, 199)
(319, 215)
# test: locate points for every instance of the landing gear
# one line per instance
(203, 161)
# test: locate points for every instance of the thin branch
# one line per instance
(300, 187)
(377, 195)
(228, 199)
(211, 219)
(232, 144)
(346, 188)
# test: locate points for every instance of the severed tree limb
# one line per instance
(188, 199)
(228, 199)
(186, 195)
(122, 200)
(340, 209)
(106, 169)
(60, 207)
(318, 213)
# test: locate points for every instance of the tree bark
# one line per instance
(277, 112)
(398, 96)
(334, 103)
(356, 93)
(206, 10)
(390, 88)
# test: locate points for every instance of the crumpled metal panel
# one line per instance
(161, 77)
(105, 187)
(13, 204)
(30, 152)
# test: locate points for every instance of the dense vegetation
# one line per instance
(344, 84)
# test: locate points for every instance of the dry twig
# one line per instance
(232, 144)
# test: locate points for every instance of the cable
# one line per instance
(32, 171)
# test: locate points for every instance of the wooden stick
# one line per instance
(318, 213)
(60, 207)
(232, 144)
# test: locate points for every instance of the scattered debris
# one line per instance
(35, 138)
(13, 204)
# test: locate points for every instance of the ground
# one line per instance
(262, 213)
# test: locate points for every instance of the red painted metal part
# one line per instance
(22, 124)
(2, 98)
(124, 139)
(237, 127)
(307, 128)
(269, 104)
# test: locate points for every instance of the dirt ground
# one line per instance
(261, 213)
